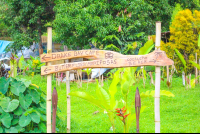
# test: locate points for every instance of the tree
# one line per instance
(117, 24)
(26, 20)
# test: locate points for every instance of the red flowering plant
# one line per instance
(121, 112)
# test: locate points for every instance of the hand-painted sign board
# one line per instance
(90, 54)
(109, 59)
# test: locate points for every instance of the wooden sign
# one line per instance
(156, 58)
(90, 54)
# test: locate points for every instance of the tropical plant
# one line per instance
(88, 71)
(22, 107)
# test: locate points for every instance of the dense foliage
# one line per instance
(184, 31)
(22, 107)
(115, 23)
(25, 20)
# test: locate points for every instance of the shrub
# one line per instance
(184, 36)
(22, 107)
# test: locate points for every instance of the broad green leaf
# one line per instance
(19, 128)
(4, 85)
(35, 95)
(25, 81)
(195, 64)
(86, 96)
(25, 101)
(36, 130)
(11, 130)
(166, 93)
(42, 127)
(181, 57)
(5, 118)
(32, 58)
(35, 117)
(1, 110)
(20, 63)
(9, 106)
(15, 121)
(125, 88)
(17, 87)
(24, 120)
(18, 111)
(1, 130)
(29, 111)
(146, 48)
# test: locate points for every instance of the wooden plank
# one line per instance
(156, 58)
(90, 54)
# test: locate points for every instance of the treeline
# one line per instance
(118, 25)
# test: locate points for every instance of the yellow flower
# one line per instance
(32, 74)
(35, 85)
(8, 72)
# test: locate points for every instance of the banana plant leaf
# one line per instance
(181, 57)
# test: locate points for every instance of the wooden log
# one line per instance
(49, 84)
(157, 82)
(156, 58)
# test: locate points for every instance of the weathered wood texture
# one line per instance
(90, 54)
(156, 58)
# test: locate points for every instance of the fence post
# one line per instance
(54, 105)
(137, 107)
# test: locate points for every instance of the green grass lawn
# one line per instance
(179, 114)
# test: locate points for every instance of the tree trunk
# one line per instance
(40, 37)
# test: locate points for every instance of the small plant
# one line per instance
(88, 71)
(22, 107)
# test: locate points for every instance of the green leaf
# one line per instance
(32, 58)
(18, 111)
(181, 57)
(4, 85)
(9, 106)
(25, 101)
(195, 64)
(36, 130)
(20, 63)
(146, 48)
(15, 121)
(125, 88)
(35, 95)
(17, 87)
(24, 120)
(24, 81)
(11, 130)
(1, 130)
(42, 127)
(19, 128)
(85, 96)
(35, 117)
(5, 118)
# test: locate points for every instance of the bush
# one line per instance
(22, 107)
(184, 32)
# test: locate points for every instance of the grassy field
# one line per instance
(179, 114)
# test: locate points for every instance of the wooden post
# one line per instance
(199, 72)
(49, 84)
(68, 97)
(196, 71)
(168, 73)
(157, 81)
